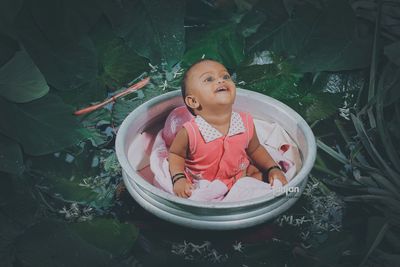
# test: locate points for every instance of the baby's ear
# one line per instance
(192, 102)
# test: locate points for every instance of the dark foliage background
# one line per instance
(61, 199)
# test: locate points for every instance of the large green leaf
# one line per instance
(331, 252)
(7, 191)
(392, 52)
(222, 44)
(41, 126)
(377, 228)
(317, 105)
(8, 11)
(315, 37)
(67, 63)
(121, 64)
(8, 233)
(50, 243)
(155, 29)
(107, 234)
(65, 21)
(124, 106)
(77, 177)
(20, 79)
(8, 47)
(279, 81)
(200, 13)
(63, 175)
(265, 17)
(94, 122)
(82, 96)
(269, 79)
(11, 160)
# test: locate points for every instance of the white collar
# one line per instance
(209, 133)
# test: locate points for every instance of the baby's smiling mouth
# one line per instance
(221, 89)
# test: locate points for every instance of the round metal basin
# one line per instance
(148, 118)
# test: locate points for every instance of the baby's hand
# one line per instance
(276, 174)
(183, 188)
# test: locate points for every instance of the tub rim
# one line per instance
(307, 164)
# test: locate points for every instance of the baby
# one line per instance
(218, 143)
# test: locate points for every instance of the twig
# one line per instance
(129, 90)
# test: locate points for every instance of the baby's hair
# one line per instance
(183, 83)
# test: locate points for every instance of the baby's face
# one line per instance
(210, 83)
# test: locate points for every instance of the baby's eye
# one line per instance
(226, 77)
(209, 79)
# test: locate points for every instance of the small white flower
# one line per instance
(164, 85)
(153, 68)
(335, 228)
(178, 73)
(238, 246)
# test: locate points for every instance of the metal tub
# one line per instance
(150, 117)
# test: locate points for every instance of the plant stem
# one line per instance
(374, 64)
(326, 170)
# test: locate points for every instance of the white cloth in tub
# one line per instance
(271, 135)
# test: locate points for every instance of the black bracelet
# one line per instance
(177, 174)
(265, 174)
(177, 177)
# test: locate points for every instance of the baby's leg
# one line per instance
(254, 172)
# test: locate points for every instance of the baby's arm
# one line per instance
(176, 158)
(263, 160)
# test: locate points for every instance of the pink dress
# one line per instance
(215, 156)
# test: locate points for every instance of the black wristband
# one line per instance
(265, 174)
(177, 177)
(178, 174)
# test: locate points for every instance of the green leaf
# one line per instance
(336, 155)
(50, 243)
(315, 37)
(121, 64)
(200, 13)
(8, 233)
(18, 212)
(11, 160)
(124, 106)
(93, 91)
(41, 126)
(21, 208)
(372, 151)
(107, 234)
(94, 122)
(20, 79)
(331, 251)
(388, 80)
(280, 81)
(222, 44)
(8, 11)
(64, 21)
(80, 177)
(8, 47)
(7, 190)
(392, 52)
(155, 29)
(269, 79)
(66, 63)
(320, 105)
(64, 179)
(377, 228)
(264, 17)
(251, 22)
